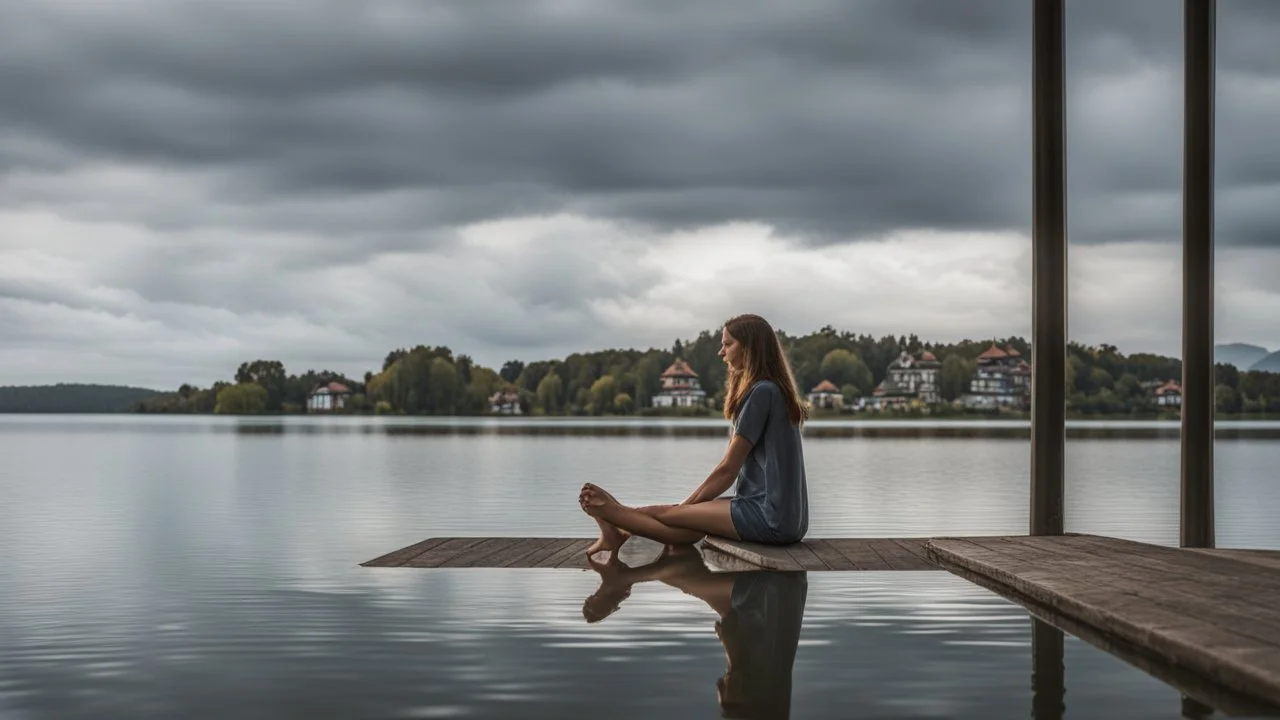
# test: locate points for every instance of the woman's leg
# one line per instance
(677, 525)
(612, 538)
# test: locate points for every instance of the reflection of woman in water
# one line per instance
(764, 458)
(759, 626)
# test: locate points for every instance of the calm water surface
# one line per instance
(207, 567)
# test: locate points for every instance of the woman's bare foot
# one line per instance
(611, 536)
(594, 500)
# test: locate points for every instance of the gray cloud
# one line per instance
(833, 119)
(289, 162)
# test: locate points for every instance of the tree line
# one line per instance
(432, 380)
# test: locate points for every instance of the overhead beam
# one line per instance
(1197, 526)
(1049, 269)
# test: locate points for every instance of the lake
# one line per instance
(201, 566)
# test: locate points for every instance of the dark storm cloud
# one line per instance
(304, 179)
(829, 119)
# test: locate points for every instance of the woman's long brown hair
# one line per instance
(764, 359)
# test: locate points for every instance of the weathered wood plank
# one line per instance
(916, 546)
(485, 554)
(1203, 612)
(396, 558)
(1266, 558)
(819, 555)
(860, 553)
(530, 552)
(830, 555)
(769, 557)
(805, 557)
(896, 557)
(1189, 683)
(575, 553)
(442, 552)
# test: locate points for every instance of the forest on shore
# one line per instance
(433, 380)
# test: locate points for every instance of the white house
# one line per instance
(826, 395)
(680, 387)
(328, 398)
(1169, 395)
(918, 375)
(505, 402)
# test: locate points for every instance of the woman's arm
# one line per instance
(724, 473)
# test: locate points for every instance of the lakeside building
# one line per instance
(1002, 379)
(826, 395)
(917, 375)
(1169, 395)
(680, 387)
(505, 402)
(328, 398)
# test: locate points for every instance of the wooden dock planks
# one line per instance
(840, 554)
(826, 554)
(1211, 612)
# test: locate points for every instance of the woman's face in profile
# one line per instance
(730, 350)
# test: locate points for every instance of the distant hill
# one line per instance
(71, 398)
(1270, 363)
(1242, 355)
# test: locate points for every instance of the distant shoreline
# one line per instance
(616, 427)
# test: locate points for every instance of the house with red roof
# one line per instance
(888, 395)
(680, 387)
(826, 395)
(1169, 395)
(917, 375)
(1002, 379)
(505, 402)
(329, 398)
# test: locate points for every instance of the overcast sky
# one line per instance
(187, 185)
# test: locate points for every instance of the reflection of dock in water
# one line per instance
(1201, 620)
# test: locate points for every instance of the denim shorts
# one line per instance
(749, 522)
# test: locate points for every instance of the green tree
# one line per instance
(241, 399)
(954, 377)
(603, 392)
(843, 367)
(623, 404)
(849, 393)
(270, 374)
(444, 388)
(1226, 399)
(549, 394)
(511, 370)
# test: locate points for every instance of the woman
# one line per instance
(764, 458)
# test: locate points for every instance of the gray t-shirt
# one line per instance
(772, 479)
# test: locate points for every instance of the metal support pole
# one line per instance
(1197, 275)
(1049, 270)
(1048, 670)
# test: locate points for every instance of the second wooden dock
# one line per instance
(1212, 612)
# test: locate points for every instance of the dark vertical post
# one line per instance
(1197, 275)
(1048, 671)
(1049, 270)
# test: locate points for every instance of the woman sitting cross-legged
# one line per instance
(770, 503)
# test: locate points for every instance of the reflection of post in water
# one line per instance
(760, 617)
(1048, 686)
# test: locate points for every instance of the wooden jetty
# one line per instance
(1211, 612)
(842, 554)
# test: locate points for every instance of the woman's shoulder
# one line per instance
(765, 387)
